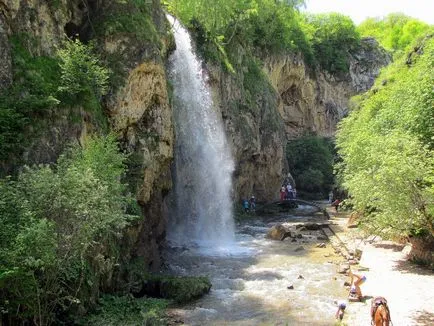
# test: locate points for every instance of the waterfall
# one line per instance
(202, 209)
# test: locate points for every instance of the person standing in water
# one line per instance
(341, 309)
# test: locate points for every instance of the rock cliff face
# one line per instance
(138, 109)
(283, 100)
(316, 101)
(299, 100)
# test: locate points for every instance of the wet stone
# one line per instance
(300, 248)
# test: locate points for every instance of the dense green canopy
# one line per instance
(387, 146)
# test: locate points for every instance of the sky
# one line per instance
(359, 10)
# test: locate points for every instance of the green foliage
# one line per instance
(333, 36)
(35, 81)
(387, 149)
(310, 160)
(82, 73)
(396, 32)
(42, 84)
(131, 17)
(58, 225)
(268, 27)
(126, 310)
(265, 25)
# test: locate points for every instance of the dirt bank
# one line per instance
(408, 288)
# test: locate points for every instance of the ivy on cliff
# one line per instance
(41, 84)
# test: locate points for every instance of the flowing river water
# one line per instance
(250, 279)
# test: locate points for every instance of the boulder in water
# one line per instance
(279, 232)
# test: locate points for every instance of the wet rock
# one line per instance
(294, 240)
(343, 268)
(313, 226)
(322, 238)
(299, 236)
(346, 283)
(300, 248)
(300, 277)
(290, 287)
(278, 232)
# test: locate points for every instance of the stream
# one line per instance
(250, 279)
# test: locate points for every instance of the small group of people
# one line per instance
(287, 191)
(355, 293)
(249, 205)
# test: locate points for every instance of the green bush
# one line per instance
(82, 73)
(396, 32)
(387, 148)
(42, 84)
(60, 225)
(32, 94)
(333, 36)
(126, 310)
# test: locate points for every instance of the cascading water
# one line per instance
(202, 213)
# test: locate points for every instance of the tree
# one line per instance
(333, 36)
(387, 147)
(396, 32)
(310, 160)
(58, 226)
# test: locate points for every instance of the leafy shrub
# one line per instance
(395, 32)
(333, 36)
(59, 223)
(81, 71)
(35, 91)
(387, 148)
(126, 310)
(31, 95)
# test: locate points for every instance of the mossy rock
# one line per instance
(179, 289)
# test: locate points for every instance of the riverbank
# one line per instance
(409, 289)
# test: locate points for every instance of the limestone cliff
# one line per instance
(316, 101)
(288, 99)
(137, 108)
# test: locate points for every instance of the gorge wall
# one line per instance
(261, 109)
(289, 99)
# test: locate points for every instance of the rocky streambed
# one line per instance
(265, 279)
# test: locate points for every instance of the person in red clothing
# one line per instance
(282, 192)
(336, 203)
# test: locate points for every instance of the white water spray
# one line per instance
(203, 164)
